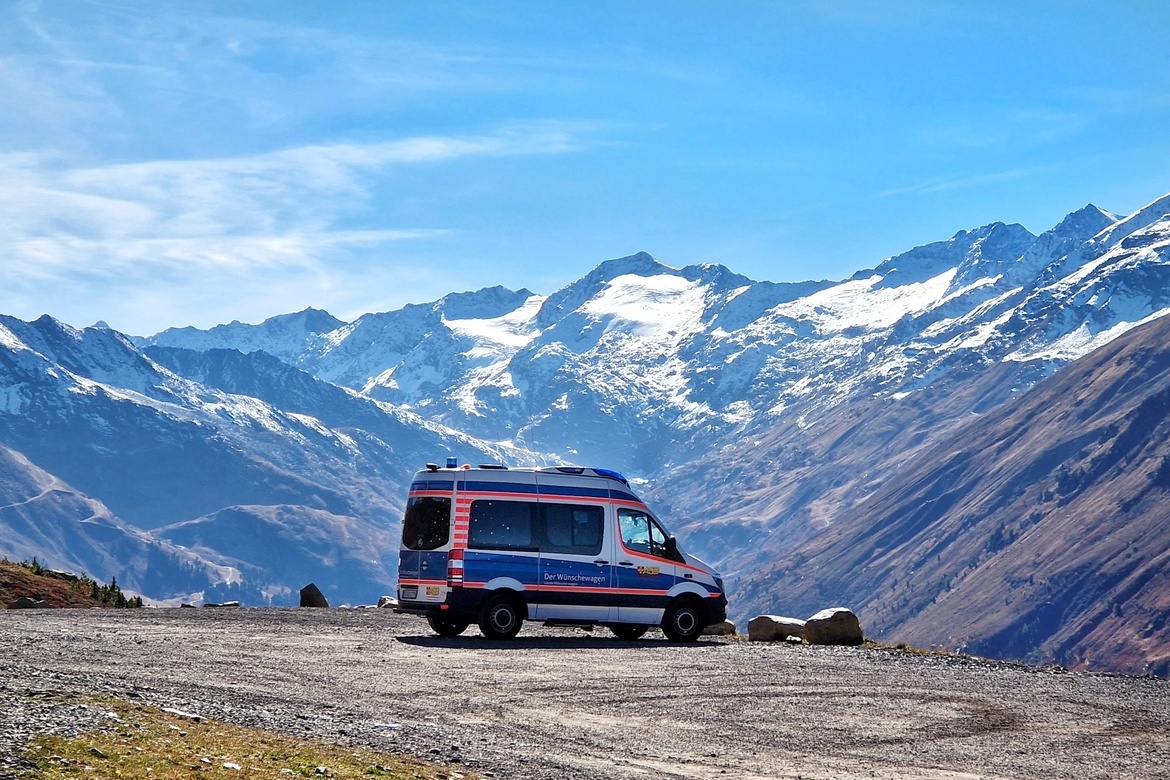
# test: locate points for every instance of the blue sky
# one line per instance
(166, 164)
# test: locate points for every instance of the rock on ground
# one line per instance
(774, 628)
(833, 626)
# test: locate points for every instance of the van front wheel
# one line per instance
(683, 621)
(444, 627)
(500, 618)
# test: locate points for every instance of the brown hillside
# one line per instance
(17, 581)
(1038, 531)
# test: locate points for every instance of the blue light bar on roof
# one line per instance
(612, 475)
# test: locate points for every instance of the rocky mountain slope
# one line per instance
(759, 417)
(1036, 531)
(128, 453)
(44, 517)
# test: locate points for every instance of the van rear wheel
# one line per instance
(684, 620)
(500, 618)
(627, 631)
(444, 627)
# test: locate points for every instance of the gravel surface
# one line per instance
(557, 703)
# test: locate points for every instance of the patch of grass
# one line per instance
(148, 743)
(902, 647)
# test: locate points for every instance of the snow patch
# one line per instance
(648, 306)
(862, 303)
(12, 400)
(499, 335)
(1079, 342)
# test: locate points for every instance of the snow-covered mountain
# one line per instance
(645, 366)
(759, 414)
(143, 450)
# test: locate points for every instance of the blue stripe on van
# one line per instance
(481, 566)
(562, 490)
(621, 494)
(498, 487)
(432, 484)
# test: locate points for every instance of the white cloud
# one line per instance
(958, 182)
(249, 228)
(282, 207)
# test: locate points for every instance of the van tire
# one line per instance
(627, 631)
(445, 627)
(684, 620)
(501, 617)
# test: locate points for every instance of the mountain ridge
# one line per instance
(1049, 505)
(757, 416)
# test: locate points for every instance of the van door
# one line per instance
(575, 566)
(644, 574)
(422, 558)
(576, 555)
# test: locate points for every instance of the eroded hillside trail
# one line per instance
(560, 703)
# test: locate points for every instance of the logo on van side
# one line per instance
(650, 571)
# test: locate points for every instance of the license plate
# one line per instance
(409, 593)
(433, 591)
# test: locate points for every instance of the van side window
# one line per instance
(641, 534)
(502, 525)
(427, 523)
(572, 529)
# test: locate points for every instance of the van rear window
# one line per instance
(501, 525)
(427, 523)
(532, 526)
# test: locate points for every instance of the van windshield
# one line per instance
(427, 523)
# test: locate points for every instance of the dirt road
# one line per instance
(562, 703)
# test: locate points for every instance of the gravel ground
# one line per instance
(557, 703)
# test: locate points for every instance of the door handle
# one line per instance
(601, 562)
(625, 563)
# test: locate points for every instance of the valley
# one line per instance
(919, 441)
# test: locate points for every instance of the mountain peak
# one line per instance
(716, 274)
(314, 320)
(640, 263)
(1084, 223)
(484, 304)
(573, 295)
(984, 247)
(283, 335)
(1140, 219)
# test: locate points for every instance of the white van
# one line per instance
(565, 545)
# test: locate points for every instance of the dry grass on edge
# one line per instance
(148, 743)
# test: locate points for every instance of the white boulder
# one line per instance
(774, 628)
(833, 626)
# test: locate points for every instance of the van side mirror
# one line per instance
(672, 550)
